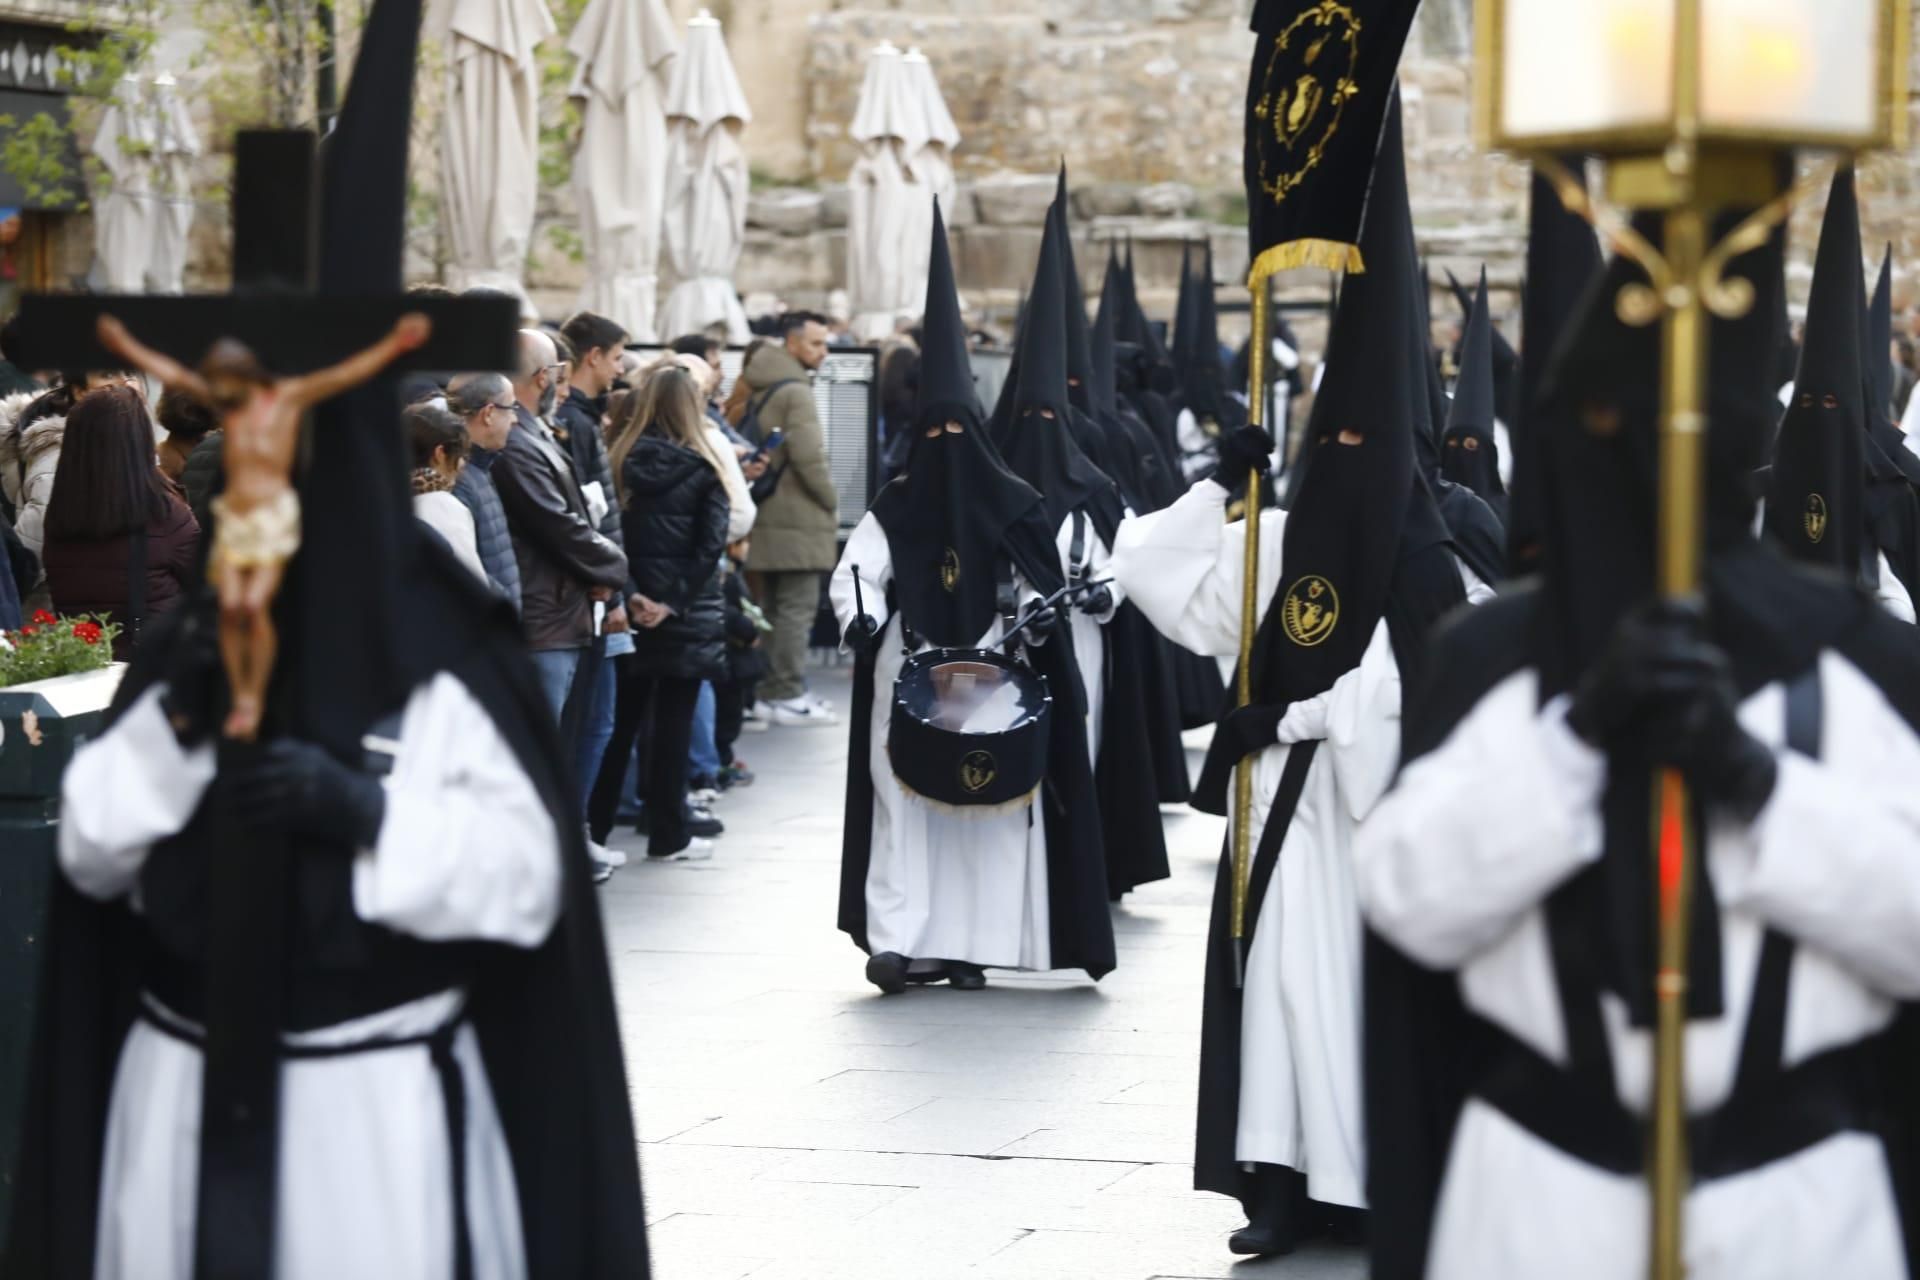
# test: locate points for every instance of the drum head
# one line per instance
(967, 695)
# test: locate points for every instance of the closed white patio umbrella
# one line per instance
(906, 136)
(624, 50)
(490, 137)
(123, 211)
(707, 185)
(176, 146)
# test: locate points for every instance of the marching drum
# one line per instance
(969, 727)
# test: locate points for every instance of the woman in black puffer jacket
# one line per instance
(674, 515)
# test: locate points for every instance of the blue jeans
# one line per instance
(597, 729)
(705, 757)
(555, 668)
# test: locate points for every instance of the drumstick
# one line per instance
(859, 601)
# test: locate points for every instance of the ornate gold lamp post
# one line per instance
(1690, 103)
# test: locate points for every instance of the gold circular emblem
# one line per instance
(950, 569)
(977, 770)
(1816, 517)
(1304, 90)
(1310, 611)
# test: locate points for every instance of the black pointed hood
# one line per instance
(1470, 455)
(1506, 361)
(1563, 259)
(949, 515)
(1038, 441)
(946, 391)
(1202, 377)
(1079, 342)
(1360, 518)
(1102, 391)
(1878, 353)
(1816, 500)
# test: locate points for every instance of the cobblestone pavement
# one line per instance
(795, 1125)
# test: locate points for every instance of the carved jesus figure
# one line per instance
(257, 519)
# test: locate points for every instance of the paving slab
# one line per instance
(796, 1125)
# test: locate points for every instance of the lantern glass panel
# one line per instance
(1574, 68)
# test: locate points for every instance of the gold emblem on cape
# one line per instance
(977, 770)
(1304, 90)
(1816, 517)
(1310, 611)
(950, 570)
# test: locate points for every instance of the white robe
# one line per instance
(1830, 861)
(1090, 630)
(942, 884)
(466, 850)
(1300, 1098)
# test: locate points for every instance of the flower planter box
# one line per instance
(41, 725)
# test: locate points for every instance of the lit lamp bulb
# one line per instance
(1803, 66)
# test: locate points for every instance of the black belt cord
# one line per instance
(453, 1093)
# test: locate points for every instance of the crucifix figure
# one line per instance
(257, 519)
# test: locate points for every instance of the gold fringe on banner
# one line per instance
(1334, 255)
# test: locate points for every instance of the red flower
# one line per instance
(27, 631)
(87, 631)
(43, 618)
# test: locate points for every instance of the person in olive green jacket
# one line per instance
(795, 532)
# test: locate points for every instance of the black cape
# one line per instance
(545, 1018)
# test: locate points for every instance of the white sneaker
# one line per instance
(800, 713)
(700, 850)
(704, 798)
(754, 724)
(825, 704)
(761, 710)
(606, 854)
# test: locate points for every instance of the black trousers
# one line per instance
(729, 712)
(662, 708)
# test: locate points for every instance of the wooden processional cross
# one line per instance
(281, 313)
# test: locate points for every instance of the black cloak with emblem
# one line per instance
(372, 608)
(1595, 430)
(1362, 528)
(1817, 501)
(956, 520)
(1469, 453)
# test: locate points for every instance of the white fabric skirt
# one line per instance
(366, 1181)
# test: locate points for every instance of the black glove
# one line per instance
(195, 698)
(1250, 729)
(862, 632)
(1040, 624)
(1240, 452)
(1097, 601)
(1664, 687)
(296, 787)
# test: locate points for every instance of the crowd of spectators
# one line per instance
(662, 550)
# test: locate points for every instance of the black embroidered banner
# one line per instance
(1322, 73)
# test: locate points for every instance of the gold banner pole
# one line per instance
(1249, 620)
(1682, 444)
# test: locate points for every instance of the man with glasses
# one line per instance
(485, 403)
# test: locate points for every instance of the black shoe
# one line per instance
(1274, 1200)
(965, 977)
(888, 971)
(1259, 1242)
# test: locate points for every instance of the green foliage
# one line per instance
(48, 647)
(34, 155)
(567, 241)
